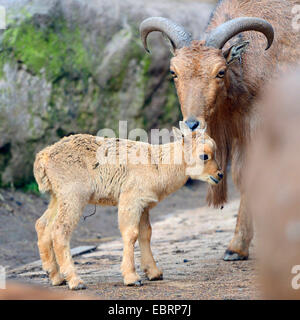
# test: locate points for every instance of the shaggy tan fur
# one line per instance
(226, 104)
(74, 171)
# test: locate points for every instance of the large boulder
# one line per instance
(76, 66)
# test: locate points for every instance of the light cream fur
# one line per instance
(72, 170)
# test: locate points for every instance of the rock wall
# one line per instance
(76, 66)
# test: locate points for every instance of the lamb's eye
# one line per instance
(174, 75)
(221, 74)
(203, 157)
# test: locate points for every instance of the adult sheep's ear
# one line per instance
(177, 133)
(235, 52)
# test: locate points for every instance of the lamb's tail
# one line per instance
(40, 173)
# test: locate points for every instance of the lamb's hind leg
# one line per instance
(43, 229)
(68, 215)
(147, 261)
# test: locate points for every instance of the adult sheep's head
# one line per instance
(202, 70)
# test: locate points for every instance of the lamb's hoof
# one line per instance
(135, 284)
(157, 278)
(80, 286)
(61, 283)
(58, 280)
(233, 256)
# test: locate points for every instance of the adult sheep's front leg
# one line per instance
(129, 214)
(238, 248)
(147, 261)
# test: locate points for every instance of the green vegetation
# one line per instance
(55, 49)
(31, 187)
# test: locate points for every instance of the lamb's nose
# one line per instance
(192, 123)
(220, 175)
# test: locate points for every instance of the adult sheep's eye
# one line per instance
(221, 74)
(203, 157)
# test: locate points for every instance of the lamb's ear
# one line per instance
(184, 128)
(235, 52)
(177, 133)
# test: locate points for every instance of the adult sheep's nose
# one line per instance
(192, 123)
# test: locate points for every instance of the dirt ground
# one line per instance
(188, 243)
(19, 211)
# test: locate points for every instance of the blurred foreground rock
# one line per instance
(274, 189)
(20, 291)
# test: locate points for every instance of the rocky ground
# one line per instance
(188, 243)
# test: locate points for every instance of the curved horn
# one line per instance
(176, 33)
(219, 36)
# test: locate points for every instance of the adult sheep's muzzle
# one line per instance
(195, 124)
(192, 123)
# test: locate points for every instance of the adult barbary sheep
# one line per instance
(272, 182)
(83, 169)
(219, 79)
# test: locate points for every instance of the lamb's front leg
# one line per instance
(147, 261)
(129, 218)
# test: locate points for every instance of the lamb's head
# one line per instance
(204, 71)
(198, 154)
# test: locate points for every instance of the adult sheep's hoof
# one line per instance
(135, 284)
(233, 256)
